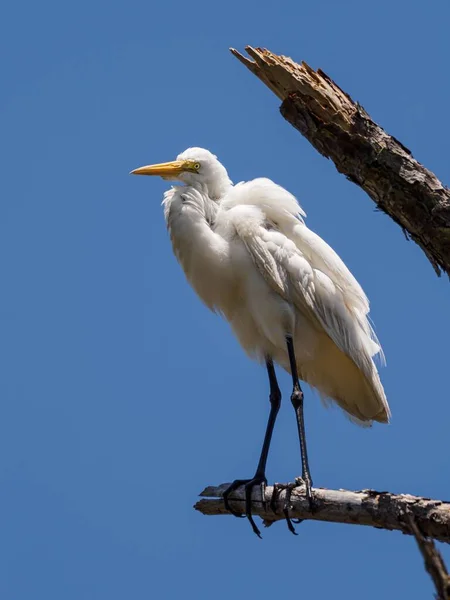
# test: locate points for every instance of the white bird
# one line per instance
(288, 297)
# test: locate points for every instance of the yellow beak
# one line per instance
(168, 170)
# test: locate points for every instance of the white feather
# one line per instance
(248, 254)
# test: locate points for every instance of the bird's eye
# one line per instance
(197, 166)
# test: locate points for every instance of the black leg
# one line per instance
(297, 403)
(260, 475)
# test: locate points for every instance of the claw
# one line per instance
(257, 480)
(231, 488)
(306, 481)
(288, 488)
(249, 485)
(308, 493)
(273, 500)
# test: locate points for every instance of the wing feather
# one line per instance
(303, 269)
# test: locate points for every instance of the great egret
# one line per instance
(288, 297)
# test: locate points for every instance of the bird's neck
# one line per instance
(202, 253)
(206, 198)
(214, 190)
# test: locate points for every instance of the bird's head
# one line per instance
(195, 167)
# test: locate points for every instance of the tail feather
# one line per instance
(337, 378)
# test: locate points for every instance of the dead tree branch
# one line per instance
(340, 129)
(434, 563)
(382, 510)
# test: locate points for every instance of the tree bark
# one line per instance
(340, 129)
(382, 510)
(434, 563)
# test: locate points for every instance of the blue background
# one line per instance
(121, 395)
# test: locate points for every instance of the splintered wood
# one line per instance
(340, 129)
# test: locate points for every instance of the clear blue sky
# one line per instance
(121, 395)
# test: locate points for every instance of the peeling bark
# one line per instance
(434, 564)
(382, 510)
(340, 129)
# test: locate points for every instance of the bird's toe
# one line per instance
(237, 483)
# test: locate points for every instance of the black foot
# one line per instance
(226, 495)
(306, 481)
(249, 485)
(289, 487)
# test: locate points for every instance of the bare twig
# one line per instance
(366, 507)
(340, 129)
(434, 562)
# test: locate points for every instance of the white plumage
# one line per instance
(248, 254)
(289, 298)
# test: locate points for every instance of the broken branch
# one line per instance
(341, 129)
(382, 510)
